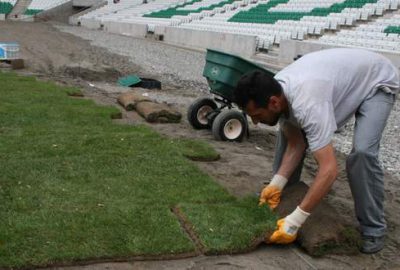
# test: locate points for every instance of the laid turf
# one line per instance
(76, 186)
(198, 150)
(231, 227)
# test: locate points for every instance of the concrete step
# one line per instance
(391, 13)
(271, 67)
(19, 9)
(273, 52)
(74, 18)
(269, 62)
(267, 58)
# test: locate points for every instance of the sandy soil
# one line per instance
(242, 169)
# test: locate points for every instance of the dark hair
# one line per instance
(257, 86)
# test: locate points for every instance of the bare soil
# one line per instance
(242, 169)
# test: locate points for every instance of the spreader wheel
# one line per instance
(229, 125)
(198, 112)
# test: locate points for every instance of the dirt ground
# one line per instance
(242, 169)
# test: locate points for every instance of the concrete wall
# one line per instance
(26, 18)
(85, 3)
(60, 13)
(2, 17)
(127, 29)
(74, 19)
(290, 49)
(232, 43)
(90, 23)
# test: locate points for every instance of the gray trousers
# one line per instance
(364, 170)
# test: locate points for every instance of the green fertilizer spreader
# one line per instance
(222, 71)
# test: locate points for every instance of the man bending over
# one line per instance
(311, 99)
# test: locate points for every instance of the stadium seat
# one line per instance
(271, 21)
(6, 6)
(381, 35)
(37, 6)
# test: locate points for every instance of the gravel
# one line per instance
(175, 65)
(185, 67)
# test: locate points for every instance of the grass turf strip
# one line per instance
(75, 186)
(231, 227)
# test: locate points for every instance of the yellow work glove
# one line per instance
(287, 227)
(271, 194)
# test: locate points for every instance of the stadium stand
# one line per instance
(6, 6)
(127, 10)
(276, 20)
(38, 6)
(361, 23)
(382, 34)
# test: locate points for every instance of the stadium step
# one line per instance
(74, 19)
(19, 9)
(269, 60)
(273, 52)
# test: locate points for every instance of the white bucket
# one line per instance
(9, 51)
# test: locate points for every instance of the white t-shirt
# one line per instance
(325, 88)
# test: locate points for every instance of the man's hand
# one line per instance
(287, 227)
(281, 236)
(271, 194)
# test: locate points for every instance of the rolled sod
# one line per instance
(325, 231)
(158, 113)
(129, 100)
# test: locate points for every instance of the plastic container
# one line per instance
(9, 51)
(224, 70)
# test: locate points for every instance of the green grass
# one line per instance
(75, 186)
(230, 227)
(61, 235)
(198, 150)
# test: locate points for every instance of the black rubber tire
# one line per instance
(229, 117)
(195, 107)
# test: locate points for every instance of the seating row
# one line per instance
(185, 9)
(133, 8)
(271, 21)
(37, 6)
(392, 30)
(380, 45)
(267, 14)
(6, 6)
(382, 34)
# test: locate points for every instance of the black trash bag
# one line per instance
(149, 84)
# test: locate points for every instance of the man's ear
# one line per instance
(274, 104)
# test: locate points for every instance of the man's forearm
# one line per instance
(319, 188)
(293, 154)
(324, 179)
